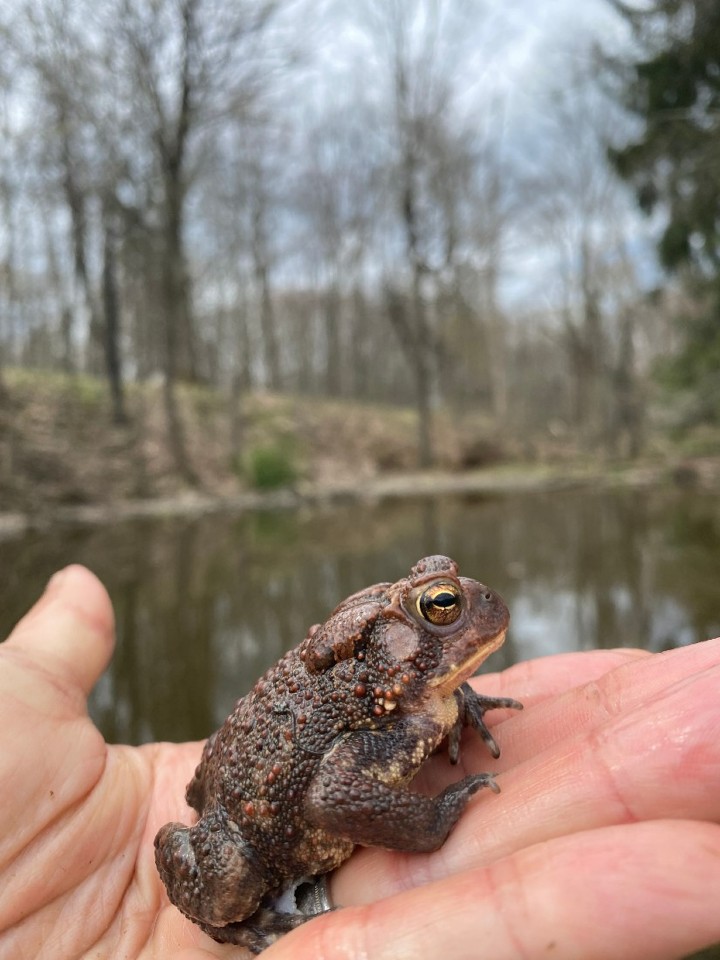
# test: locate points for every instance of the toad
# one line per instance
(318, 756)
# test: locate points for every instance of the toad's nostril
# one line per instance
(488, 596)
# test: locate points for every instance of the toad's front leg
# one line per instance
(472, 708)
(359, 792)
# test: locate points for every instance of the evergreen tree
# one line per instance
(672, 86)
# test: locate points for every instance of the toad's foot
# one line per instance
(472, 708)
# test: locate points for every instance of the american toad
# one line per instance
(317, 757)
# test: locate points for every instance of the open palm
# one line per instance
(604, 843)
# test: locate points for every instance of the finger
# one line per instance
(611, 766)
(536, 680)
(69, 631)
(175, 936)
(659, 760)
(643, 890)
(585, 702)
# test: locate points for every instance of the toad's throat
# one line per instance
(457, 673)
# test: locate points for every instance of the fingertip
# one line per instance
(71, 627)
(81, 588)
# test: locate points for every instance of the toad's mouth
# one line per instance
(457, 673)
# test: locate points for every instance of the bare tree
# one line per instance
(578, 205)
(48, 44)
(189, 211)
(427, 140)
(195, 64)
(336, 194)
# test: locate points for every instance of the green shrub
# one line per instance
(271, 466)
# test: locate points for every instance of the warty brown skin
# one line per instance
(316, 758)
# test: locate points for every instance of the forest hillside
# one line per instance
(61, 454)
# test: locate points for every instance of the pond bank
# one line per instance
(62, 462)
(497, 481)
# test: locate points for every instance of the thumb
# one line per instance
(69, 632)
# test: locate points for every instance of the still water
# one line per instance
(204, 606)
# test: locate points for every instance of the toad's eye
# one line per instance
(440, 604)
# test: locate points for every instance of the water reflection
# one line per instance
(203, 607)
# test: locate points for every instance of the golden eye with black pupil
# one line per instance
(439, 604)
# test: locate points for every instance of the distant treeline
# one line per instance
(187, 189)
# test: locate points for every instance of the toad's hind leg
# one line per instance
(206, 873)
(195, 792)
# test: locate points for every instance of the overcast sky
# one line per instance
(544, 41)
(520, 54)
(519, 50)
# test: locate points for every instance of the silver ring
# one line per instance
(313, 896)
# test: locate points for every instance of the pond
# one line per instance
(204, 606)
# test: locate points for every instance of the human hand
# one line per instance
(77, 869)
(604, 843)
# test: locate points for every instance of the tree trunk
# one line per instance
(590, 375)
(497, 346)
(179, 347)
(417, 353)
(333, 372)
(426, 453)
(15, 301)
(261, 269)
(66, 340)
(85, 297)
(177, 282)
(359, 338)
(176, 432)
(424, 361)
(417, 340)
(269, 333)
(626, 431)
(111, 339)
(237, 418)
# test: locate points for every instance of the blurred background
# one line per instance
(293, 293)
